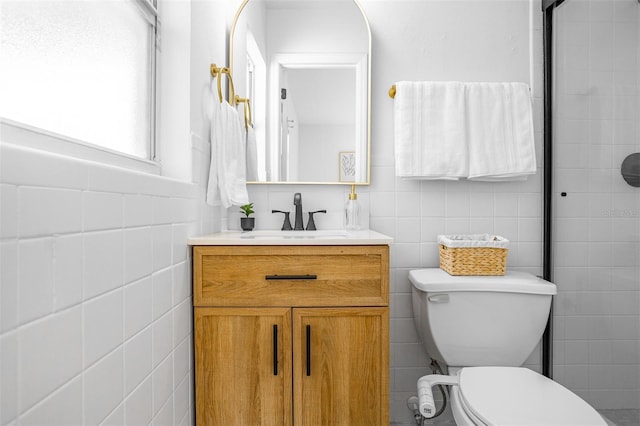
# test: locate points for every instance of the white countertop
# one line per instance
(287, 238)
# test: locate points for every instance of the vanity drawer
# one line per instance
(291, 275)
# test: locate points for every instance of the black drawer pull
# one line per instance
(275, 349)
(291, 277)
(308, 350)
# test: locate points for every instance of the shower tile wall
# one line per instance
(597, 232)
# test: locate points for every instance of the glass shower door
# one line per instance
(596, 213)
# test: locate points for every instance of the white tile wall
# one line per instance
(137, 306)
(103, 326)
(597, 262)
(58, 408)
(49, 353)
(103, 262)
(96, 293)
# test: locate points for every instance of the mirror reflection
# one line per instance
(305, 66)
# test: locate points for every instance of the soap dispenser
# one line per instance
(352, 211)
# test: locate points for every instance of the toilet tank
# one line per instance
(480, 320)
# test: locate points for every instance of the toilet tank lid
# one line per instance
(436, 280)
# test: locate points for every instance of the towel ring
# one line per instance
(217, 72)
(248, 119)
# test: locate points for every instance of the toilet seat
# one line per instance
(519, 396)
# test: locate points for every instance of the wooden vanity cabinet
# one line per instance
(310, 346)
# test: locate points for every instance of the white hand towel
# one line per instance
(429, 132)
(214, 195)
(227, 174)
(500, 131)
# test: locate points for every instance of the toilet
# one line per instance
(483, 328)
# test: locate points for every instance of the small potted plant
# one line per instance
(247, 223)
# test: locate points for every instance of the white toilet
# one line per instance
(483, 328)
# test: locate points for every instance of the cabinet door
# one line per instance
(243, 366)
(341, 366)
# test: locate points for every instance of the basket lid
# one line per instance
(436, 280)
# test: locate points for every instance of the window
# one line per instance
(83, 69)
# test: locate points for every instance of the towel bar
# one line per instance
(392, 91)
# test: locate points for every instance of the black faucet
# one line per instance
(297, 201)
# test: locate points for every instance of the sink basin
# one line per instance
(296, 235)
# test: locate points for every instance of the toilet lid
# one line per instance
(519, 396)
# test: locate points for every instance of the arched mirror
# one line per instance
(305, 66)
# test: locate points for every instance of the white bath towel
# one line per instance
(429, 123)
(227, 174)
(500, 131)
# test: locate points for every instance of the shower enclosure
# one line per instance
(592, 212)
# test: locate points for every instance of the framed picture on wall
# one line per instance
(347, 166)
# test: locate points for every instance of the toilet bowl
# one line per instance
(484, 328)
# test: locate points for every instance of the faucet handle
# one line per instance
(286, 226)
(311, 225)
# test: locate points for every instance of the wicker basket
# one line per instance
(473, 254)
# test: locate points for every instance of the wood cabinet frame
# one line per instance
(345, 337)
